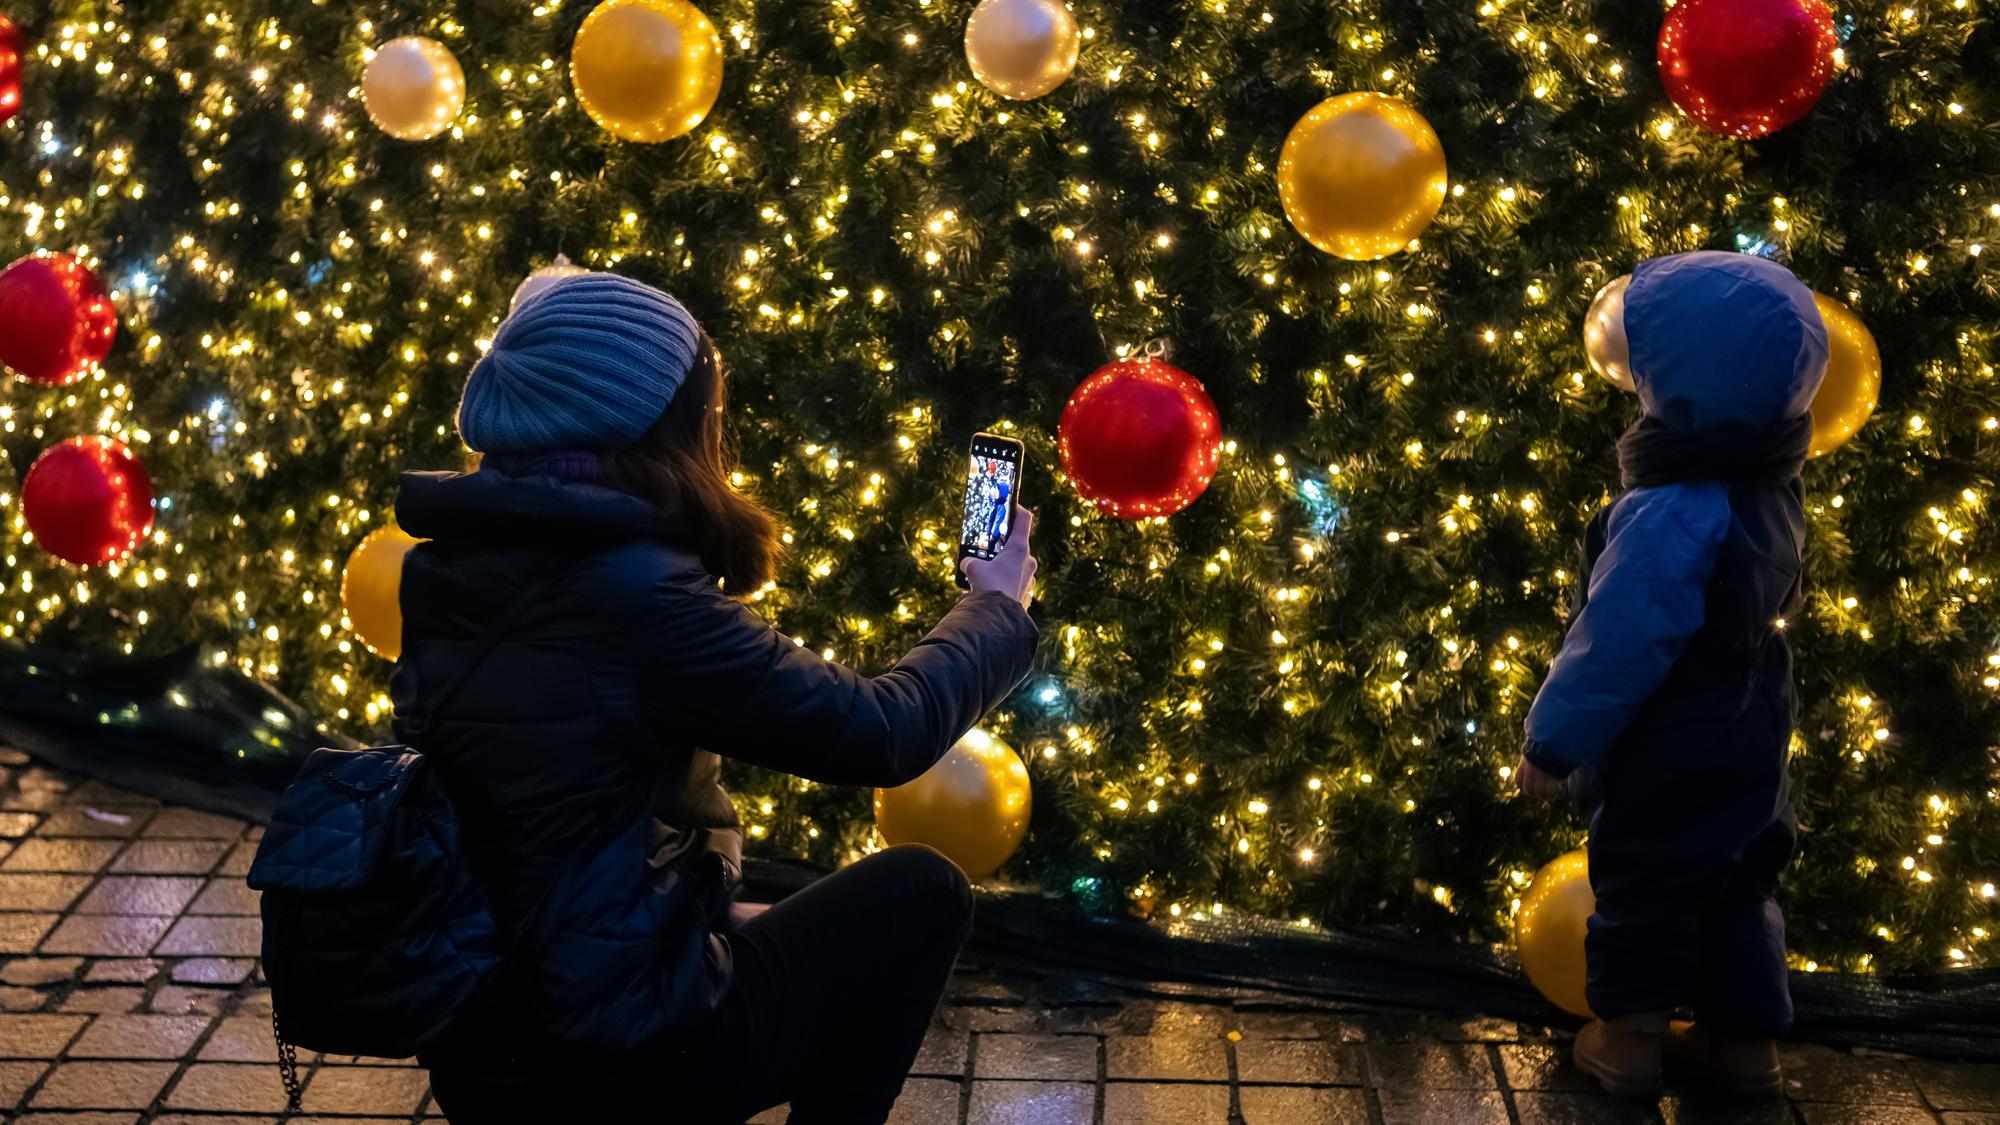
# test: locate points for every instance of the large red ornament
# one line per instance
(1140, 438)
(12, 49)
(1747, 68)
(88, 500)
(55, 320)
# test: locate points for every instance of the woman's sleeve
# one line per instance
(730, 683)
(1648, 596)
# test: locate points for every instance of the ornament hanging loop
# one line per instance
(1158, 349)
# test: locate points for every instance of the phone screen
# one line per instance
(991, 488)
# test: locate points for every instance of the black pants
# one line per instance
(832, 993)
(1684, 860)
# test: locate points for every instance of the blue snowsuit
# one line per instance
(1673, 689)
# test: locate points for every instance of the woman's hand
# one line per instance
(1011, 571)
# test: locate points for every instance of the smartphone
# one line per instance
(992, 487)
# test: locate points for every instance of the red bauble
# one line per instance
(1140, 438)
(54, 318)
(1747, 68)
(88, 500)
(12, 49)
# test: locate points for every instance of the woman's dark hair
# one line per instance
(683, 464)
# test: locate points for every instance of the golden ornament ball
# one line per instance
(1361, 175)
(371, 589)
(973, 805)
(538, 282)
(1021, 49)
(1549, 931)
(1853, 382)
(1604, 342)
(646, 70)
(413, 88)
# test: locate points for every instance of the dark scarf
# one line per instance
(1652, 453)
(575, 466)
(579, 466)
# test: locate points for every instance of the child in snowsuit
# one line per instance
(996, 516)
(1673, 688)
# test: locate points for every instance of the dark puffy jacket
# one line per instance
(1727, 700)
(579, 756)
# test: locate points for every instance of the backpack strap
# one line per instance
(500, 626)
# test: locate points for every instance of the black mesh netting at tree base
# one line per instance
(185, 731)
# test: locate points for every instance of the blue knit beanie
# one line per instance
(590, 362)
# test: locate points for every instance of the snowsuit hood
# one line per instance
(1722, 341)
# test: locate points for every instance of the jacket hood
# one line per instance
(1722, 341)
(489, 505)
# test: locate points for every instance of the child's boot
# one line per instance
(1623, 1054)
(1738, 1066)
(1747, 1066)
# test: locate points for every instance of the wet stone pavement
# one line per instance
(129, 993)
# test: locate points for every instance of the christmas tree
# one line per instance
(1300, 696)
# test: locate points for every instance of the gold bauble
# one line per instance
(1853, 380)
(1361, 175)
(646, 70)
(1604, 341)
(1021, 48)
(1550, 930)
(413, 88)
(973, 805)
(538, 282)
(371, 590)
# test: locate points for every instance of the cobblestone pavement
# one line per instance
(129, 993)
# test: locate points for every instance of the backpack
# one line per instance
(377, 933)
